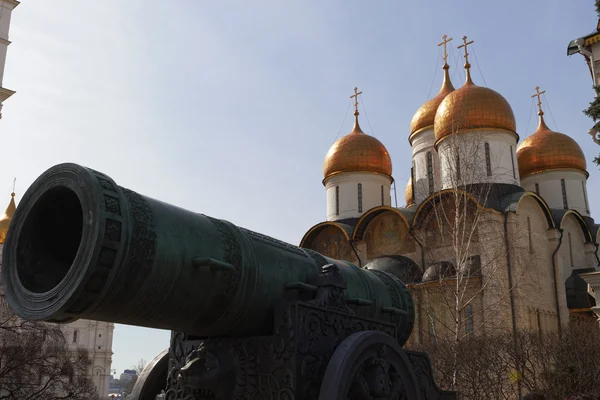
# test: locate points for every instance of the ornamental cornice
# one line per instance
(593, 279)
(592, 40)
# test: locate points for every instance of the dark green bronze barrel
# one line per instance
(80, 246)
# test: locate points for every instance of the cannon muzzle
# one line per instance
(80, 246)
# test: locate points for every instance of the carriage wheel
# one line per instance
(369, 365)
(153, 378)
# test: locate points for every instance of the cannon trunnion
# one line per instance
(251, 317)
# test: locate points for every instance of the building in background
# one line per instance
(6, 8)
(589, 47)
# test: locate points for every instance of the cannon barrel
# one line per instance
(80, 246)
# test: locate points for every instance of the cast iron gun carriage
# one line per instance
(251, 317)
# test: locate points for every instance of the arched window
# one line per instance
(457, 168)
(488, 161)
(75, 336)
(587, 206)
(469, 319)
(512, 161)
(430, 172)
(537, 189)
(564, 194)
(412, 180)
(570, 250)
(360, 207)
(431, 316)
(529, 234)
(337, 200)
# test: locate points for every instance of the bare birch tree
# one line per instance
(467, 250)
(36, 364)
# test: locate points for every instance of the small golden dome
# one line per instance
(408, 195)
(424, 117)
(473, 107)
(6, 218)
(356, 152)
(547, 150)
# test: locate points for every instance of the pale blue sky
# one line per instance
(228, 107)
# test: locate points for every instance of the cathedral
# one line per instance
(94, 336)
(496, 229)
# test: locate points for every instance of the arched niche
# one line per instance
(447, 216)
(529, 238)
(525, 204)
(330, 239)
(387, 233)
(572, 249)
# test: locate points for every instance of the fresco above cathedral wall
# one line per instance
(442, 220)
(332, 242)
(387, 234)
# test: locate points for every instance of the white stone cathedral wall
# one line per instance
(473, 167)
(533, 269)
(550, 188)
(422, 144)
(496, 300)
(348, 193)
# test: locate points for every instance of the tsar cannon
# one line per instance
(251, 317)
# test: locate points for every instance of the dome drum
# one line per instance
(487, 156)
(351, 194)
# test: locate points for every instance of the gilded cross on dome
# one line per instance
(538, 94)
(445, 41)
(355, 97)
(465, 44)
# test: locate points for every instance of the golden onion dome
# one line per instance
(547, 150)
(6, 218)
(425, 116)
(408, 195)
(357, 152)
(473, 107)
